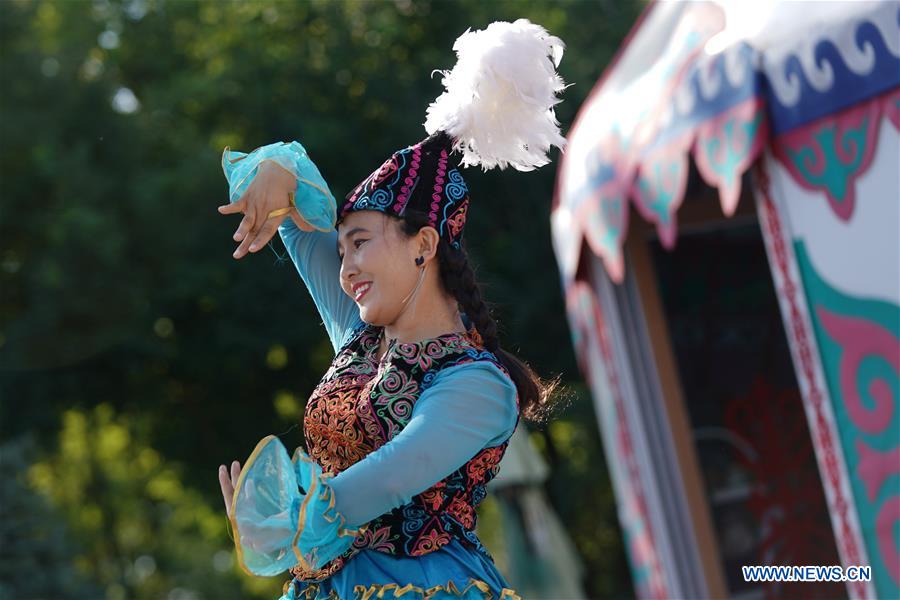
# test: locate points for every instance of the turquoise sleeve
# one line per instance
(314, 253)
(467, 408)
(313, 198)
(283, 513)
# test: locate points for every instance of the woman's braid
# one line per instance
(459, 280)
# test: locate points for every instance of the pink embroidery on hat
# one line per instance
(409, 181)
(438, 188)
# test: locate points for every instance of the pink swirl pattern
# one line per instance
(409, 181)
(438, 189)
(859, 339)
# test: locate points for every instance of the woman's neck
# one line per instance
(427, 313)
(426, 332)
(405, 331)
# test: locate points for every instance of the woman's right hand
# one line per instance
(227, 484)
(269, 190)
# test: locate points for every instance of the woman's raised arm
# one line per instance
(309, 235)
(314, 253)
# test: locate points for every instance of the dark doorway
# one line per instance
(742, 400)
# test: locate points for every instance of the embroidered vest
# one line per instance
(360, 404)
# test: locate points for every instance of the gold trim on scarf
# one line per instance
(228, 149)
(240, 482)
(301, 521)
(343, 531)
(318, 481)
(322, 191)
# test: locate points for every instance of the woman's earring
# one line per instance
(419, 261)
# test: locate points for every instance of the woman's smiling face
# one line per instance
(377, 264)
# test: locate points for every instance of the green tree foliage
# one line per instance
(144, 532)
(117, 286)
(34, 539)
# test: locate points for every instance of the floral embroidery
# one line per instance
(463, 512)
(360, 404)
(433, 498)
(377, 540)
(429, 542)
(478, 468)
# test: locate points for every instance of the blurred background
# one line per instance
(136, 355)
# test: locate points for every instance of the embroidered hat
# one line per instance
(496, 111)
(425, 177)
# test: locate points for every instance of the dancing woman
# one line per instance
(410, 421)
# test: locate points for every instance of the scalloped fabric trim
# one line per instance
(330, 514)
(394, 590)
(407, 592)
(321, 489)
(310, 593)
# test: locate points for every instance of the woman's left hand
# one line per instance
(228, 484)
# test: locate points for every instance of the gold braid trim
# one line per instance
(394, 590)
(310, 593)
(322, 191)
(233, 160)
(327, 492)
(237, 490)
(317, 481)
(301, 523)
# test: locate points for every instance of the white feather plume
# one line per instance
(499, 98)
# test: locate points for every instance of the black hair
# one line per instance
(458, 280)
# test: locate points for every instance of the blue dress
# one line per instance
(469, 407)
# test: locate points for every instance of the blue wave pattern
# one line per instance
(848, 88)
(729, 94)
